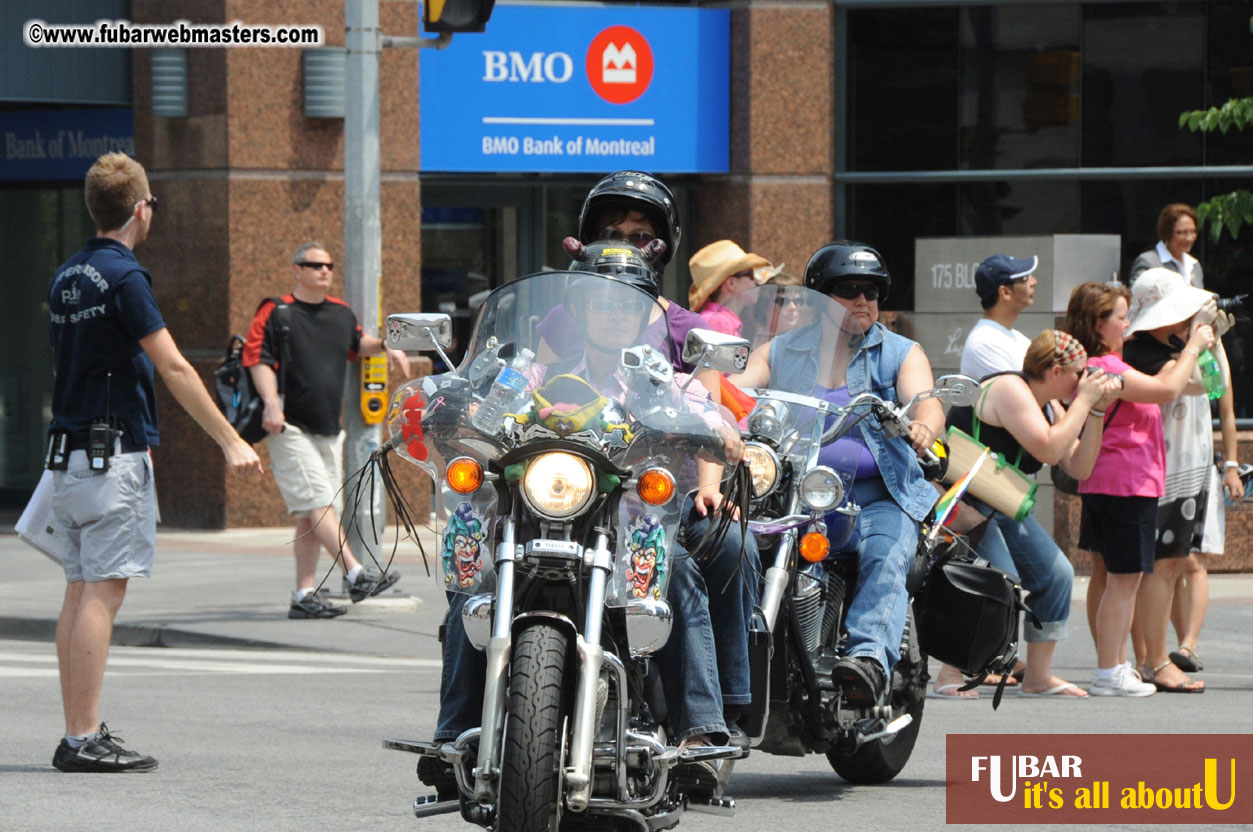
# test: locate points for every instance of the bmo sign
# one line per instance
(580, 89)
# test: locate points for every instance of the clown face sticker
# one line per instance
(463, 559)
(646, 548)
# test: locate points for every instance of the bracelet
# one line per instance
(1229, 464)
(1191, 352)
(1095, 412)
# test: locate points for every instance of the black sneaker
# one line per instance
(311, 606)
(861, 678)
(102, 753)
(370, 583)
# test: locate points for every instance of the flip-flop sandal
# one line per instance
(1187, 659)
(950, 691)
(1058, 692)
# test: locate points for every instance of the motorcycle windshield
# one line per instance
(567, 359)
(804, 344)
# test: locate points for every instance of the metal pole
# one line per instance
(363, 258)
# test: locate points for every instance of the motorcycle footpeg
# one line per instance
(701, 753)
(414, 746)
(721, 806)
(428, 805)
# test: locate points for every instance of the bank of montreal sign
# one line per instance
(580, 88)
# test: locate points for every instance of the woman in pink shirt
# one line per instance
(1120, 497)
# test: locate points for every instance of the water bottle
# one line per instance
(1211, 375)
(508, 387)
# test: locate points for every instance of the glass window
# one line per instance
(1229, 75)
(889, 217)
(902, 89)
(1019, 86)
(1143, 64)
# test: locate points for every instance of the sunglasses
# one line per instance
(608, 307)
(638, 238)
(307, 264)
(784, 300)
(850, 291)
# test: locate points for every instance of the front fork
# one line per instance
(487, 776)
(591, 658)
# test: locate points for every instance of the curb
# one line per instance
(139, 635)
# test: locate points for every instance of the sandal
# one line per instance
(1150, 676)
(1187, 659)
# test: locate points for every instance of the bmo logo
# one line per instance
(536, 68)
(619, 64)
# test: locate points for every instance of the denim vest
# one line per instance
(873, 369)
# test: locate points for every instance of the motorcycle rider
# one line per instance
(890, 487)
(689, 666)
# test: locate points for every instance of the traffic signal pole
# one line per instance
(363, 259)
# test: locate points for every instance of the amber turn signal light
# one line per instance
(656, 487)
(464, 475)
(814, 547)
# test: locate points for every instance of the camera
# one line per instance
(1115, 376)
(1232, 305)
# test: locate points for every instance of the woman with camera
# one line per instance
(1120, 496)
(1163, 311)
(1019, 416)
(1177, 230)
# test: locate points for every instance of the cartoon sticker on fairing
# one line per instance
(646, 547)
(463, 560)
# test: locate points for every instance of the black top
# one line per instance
(100, 305)
(1147, 354)
(324, 337)
(998, 439)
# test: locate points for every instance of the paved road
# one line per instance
(288, 737)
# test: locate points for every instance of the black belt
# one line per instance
(78, 442)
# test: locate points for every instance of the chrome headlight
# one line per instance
(557, 485)
(821, 489)
(763, 465)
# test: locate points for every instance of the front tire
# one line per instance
(538, 704)
(881, 760)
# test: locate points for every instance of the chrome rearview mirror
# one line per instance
(957, 390)
(715, 350)
(420, 331)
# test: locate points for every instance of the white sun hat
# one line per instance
(1160, 297)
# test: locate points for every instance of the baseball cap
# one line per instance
(1000, 269)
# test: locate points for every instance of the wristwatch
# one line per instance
(1231, 463)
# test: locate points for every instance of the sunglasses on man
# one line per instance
(309, 264)
(851, 291)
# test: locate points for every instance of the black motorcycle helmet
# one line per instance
(618, 259)
(846, 260)
(633, 190)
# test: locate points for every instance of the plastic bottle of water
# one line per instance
(506, 390)
(1211, 375)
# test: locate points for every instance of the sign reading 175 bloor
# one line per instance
(580, 88)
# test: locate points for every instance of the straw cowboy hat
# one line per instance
(1160, 297)
(715, 263)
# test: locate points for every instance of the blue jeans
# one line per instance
(464, 675)
(731, 587)
(887, 539)
(1025, 550)
(688, 660)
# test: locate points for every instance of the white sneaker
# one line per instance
(1125, 682)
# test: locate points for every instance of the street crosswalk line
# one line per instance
(141, 660)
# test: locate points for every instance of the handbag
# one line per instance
(1063, 481)
(967, 614)
(1002, 486)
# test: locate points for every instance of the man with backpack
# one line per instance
(307, 340)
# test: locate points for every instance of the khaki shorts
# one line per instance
(110, 517)
(308, 469)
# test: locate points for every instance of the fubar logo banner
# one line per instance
(1099, 778)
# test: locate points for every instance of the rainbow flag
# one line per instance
(946, 508)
